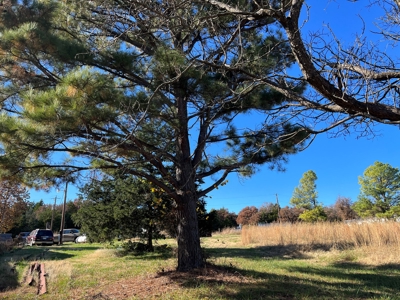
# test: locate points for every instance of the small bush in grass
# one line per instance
(314, 215)
(2, 248)
(134, 247)
(6, 247)
(163, 249)
(138, 248)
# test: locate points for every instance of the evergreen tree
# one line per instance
(121, 206)
(39, 215)
(147, 88)
(380, 191)
(305, 195)
(268, 213)
(222, 218)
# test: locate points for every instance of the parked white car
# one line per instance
(81, 239)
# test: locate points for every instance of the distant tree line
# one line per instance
(40, 215)
(341, 210)
(379, 198)
(123, 206)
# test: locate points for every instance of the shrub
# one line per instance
(313, 215)
(290, 214)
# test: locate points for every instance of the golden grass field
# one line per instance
(379, 241)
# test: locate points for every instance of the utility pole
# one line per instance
(277, 202)
(52, 215)
(60, 237)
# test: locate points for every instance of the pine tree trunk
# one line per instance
(190, 255)
(150, 247)
(189, 250)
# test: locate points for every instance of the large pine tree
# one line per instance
(152, 88)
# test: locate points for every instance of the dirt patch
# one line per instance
(155, 285)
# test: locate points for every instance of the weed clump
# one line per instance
(5, 247)
(139, 248)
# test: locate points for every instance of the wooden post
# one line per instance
(277, 202)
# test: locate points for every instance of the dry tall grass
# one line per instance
(327, 235)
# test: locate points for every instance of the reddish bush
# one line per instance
(290, 214)
(248, 216)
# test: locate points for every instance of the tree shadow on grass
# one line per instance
(366, 280)
(36, 253)
(72, 248)
(294, 281)
(263, 252)
(160, 253)
(266, 252)
(298, 283)
(389, 267)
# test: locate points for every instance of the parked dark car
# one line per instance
(69, 235)
(6, 238)
(21, 237)
(40, 237)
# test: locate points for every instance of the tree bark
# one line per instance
(188, 238)
(190, 255)
(150, 247)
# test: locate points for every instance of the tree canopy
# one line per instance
(159, 89)
(13, 202)
(305, 195)
(248, 216)
(379, 191)
(342, 209)
(317, 214)
(222, 218)
(152, 89)
(268, 213)
(290, 214)
(123, 207)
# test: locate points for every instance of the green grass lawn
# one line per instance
(93, 271)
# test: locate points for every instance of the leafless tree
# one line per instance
(343, 208)
(13, 197)
(350, 86)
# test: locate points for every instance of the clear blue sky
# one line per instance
(337, 161)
